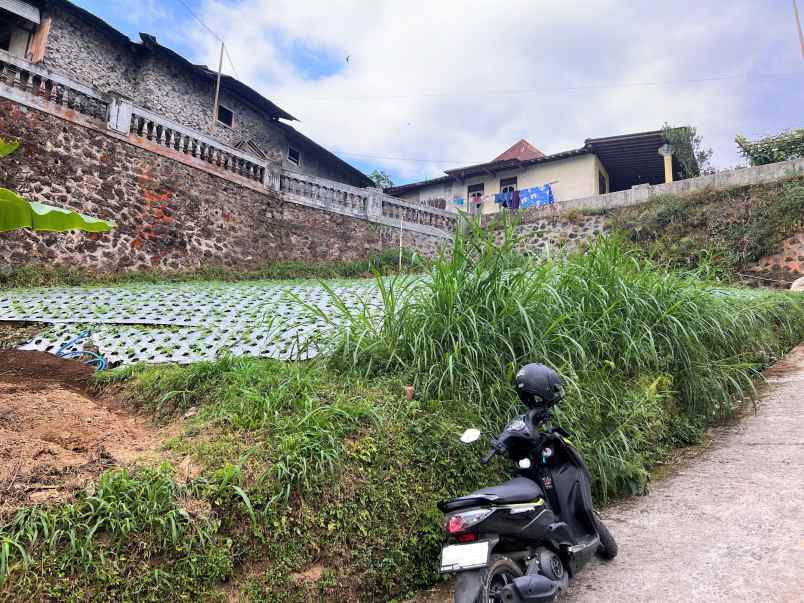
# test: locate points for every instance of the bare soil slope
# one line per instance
(53, 436)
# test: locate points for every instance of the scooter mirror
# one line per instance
(470, 435)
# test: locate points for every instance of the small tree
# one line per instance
(788, 144)
(688, 149)
(381, 179)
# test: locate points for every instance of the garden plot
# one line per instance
(185, 322)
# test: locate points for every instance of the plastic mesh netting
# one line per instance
(184, 322)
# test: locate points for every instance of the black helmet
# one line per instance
(539, 386)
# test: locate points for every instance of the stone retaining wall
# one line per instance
(169, 215)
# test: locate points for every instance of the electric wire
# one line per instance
(214, 35)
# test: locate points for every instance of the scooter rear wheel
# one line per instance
(500, 572)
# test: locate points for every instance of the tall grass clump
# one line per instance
(649, 357)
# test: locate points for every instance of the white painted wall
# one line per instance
(572, 177)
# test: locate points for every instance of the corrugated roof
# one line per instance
(22, 9)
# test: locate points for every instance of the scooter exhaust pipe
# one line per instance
(531, 589)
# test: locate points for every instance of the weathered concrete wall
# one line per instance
(553, 230)
(169, 215)
(161, 82)
(643, 193)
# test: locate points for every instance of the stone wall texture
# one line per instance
(160, 81)
(543, 232)
(169, 215)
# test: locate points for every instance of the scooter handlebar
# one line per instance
(496, 448)
(488, 457)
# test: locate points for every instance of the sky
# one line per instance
(414, 87)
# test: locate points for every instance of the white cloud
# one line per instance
(430, 80)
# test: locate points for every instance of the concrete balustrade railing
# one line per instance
(36, 86)
(325, 193)
(173, 136)
(45, 85)
(418, 214)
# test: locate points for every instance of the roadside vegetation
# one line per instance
(720, 232)
(385, 263)
(318, 480)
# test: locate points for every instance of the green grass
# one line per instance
(385, 262)
(649, 357)
(326, 463)
(720, 232)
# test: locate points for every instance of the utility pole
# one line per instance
(401, 223)
(217, 93)
(798, 23)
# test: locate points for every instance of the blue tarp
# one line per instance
(504, 198)
(532, 197)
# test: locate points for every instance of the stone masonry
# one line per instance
(155, 78)
(169, 215)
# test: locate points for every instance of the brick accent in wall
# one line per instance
(169, 215)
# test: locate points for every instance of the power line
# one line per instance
(478, 162)
(582, 87)
(214, 35)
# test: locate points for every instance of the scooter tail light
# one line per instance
(461, 522)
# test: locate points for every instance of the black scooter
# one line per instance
(521, 541)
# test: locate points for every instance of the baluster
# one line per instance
(15, 81)
(25, 81)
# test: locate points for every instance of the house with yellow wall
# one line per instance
(600, 166)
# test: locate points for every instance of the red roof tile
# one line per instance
(521, 150)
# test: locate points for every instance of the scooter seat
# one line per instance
(517, 490)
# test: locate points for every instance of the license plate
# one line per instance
(459, 557)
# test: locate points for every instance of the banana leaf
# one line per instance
(6, 148)
(16, 212)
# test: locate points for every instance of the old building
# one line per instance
(69, 40)
(600, 166)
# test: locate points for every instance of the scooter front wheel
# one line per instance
(607, 549)
(485, 585)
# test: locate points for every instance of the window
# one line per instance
(602, 184)
(475, 194)
(508, 185)
(294, 156)
(16, 30)
(225, 116)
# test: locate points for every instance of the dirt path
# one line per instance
(727, 527)
(54, 437)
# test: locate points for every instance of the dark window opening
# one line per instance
(225, 116)
(294, 156)
(508, 185)
(5, 38)
(475, 194)
(602, 187)
(15, 33)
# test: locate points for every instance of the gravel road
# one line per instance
(727, 527)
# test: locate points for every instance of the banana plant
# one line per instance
(16, 212)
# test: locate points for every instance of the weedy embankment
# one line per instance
(319, 480)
